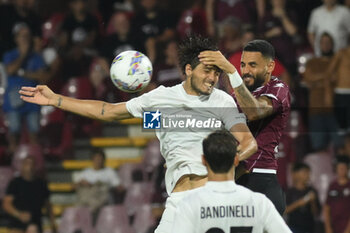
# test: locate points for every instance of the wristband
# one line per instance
(235, 79)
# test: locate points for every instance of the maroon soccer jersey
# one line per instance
(268, 131)
(338, 199)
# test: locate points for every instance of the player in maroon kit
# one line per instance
(265, 100)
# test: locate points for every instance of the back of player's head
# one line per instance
(220, 149)
(300, 166)
(190, 48)
(262, 46)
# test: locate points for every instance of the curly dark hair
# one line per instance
(190, 48)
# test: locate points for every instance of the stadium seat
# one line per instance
(126, 172)
(321, 172)
(137, 195)
(76, 218)
(6, 174)
(143, 219)
(192, 21)
(78, 87)
(152, 158)
(113, 219)
(51, 26)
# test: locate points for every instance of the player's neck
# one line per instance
(221, 176)
(268, 78)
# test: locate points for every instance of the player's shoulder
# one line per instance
(218, 94)
(276, 87)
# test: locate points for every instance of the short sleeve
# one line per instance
(12, 188)
(138, 105)
(311, 27)
(114, 178)
(280, 96)
(230, 114)
(9, 57)
(184, 219)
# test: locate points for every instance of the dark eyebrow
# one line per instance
(252, 63)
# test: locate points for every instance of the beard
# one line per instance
(259, 79)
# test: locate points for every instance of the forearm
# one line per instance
(295, 205)
(311, 38)
(327, 218)
(42, 76)
(251, 107)
(12, 68)
(247, 149)
(288, 26)
(10, 209)
(94, 109)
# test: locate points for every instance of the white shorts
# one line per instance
(166, 223)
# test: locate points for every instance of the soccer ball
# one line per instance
(131, 71)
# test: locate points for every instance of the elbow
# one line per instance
(253, 116)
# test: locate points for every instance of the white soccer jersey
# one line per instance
(225, 207)
(182, 148)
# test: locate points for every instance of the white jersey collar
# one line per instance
(221, 185)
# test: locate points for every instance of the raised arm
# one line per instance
(247, 144)
(253, 108)
(94, 109)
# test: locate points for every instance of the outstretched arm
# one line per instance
(253, 108)
(94, 109)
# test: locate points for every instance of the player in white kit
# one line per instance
(181, 147)
(222, 206)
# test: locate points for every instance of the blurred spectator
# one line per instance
(77, 39)
(108, 7)
(339, 70)
(230, 36)
(336, 210)
(323, 126)
(25, 197)
(345, 149)
(285, 158)
(24, 68)
(247, 35)
(193, 20)
(219, 10)
(331, 18)
(167, 72)
(93, 185)
(18, 12)
(79, 28)
(119, 39)
(302, 201)
(278, 26)
(150, 26)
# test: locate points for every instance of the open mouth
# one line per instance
(209, 85)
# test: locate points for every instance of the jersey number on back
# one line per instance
(232, 230)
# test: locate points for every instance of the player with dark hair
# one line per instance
(221, 205)
(181, 148)
(265, 100)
